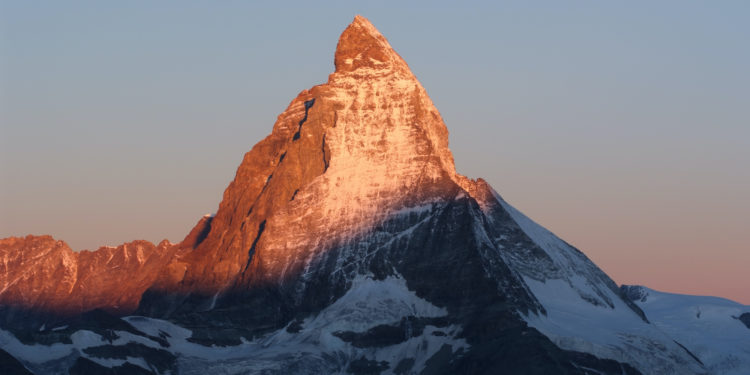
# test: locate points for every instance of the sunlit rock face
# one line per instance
(42, 278)
(343, 157)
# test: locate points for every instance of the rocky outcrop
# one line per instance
(745, 319)
(11, 366)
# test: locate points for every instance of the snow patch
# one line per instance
(707, 326)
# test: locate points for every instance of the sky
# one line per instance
(623, 127)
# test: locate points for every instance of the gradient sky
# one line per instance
(623, 127)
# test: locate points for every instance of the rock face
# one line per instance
(347, 242)
(745, 319)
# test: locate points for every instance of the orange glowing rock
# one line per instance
(340, 159)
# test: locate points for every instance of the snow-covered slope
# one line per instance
(711, 328)
(583, 309)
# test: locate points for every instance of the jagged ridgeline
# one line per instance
(346, 243)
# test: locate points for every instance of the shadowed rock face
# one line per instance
(11, 366)
(745, 319)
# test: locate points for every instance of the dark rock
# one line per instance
(159, 359)
(404, 366)
(210, 336)
(295, 326)
(97, 321)
(634, 292)
(745, 319)
(390, 334)
(84, 366)
(364, 366)
(9, 365)
(689, 352)
(439, 361)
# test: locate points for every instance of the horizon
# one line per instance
(114, 133)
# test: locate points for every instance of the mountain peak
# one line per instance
(361, 45)
(364, 23)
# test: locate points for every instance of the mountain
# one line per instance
(346, 243)
(715, 330)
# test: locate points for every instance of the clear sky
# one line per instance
(623, 127)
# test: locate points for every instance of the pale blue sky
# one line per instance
(624, 127)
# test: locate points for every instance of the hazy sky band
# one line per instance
(623, 128)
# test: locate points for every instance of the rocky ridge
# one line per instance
(44, 280)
